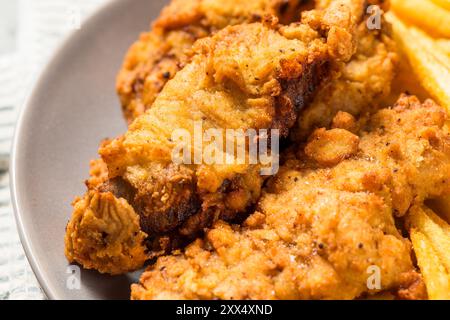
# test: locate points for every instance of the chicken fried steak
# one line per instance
(253, 76)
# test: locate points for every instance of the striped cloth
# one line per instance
(29, 32)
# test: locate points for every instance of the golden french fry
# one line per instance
(425, 14)
(444, 44)
(443, 3)
(435, 229)
(431, 46)
(428, 62)
(435, 276)
(441, 223)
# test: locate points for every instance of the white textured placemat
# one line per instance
(30, 30)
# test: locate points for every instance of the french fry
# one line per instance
(431, 46)
(441, 223)
(435, 276)
(425, 14)
(435, 229)
(428, 62)
(443, 3)
(444, 44)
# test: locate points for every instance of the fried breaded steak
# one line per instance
(252, 76)
(326, 221)
(160, 53)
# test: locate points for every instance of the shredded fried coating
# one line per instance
(98, 174)
(359, 87)
(319, 227)
(104, 234)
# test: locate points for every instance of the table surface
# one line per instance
(29, 32)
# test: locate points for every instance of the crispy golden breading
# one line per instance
(359, 87)
(98, 174)
(320, 226)
(252, 76)
(114, 247)
(160, 53)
